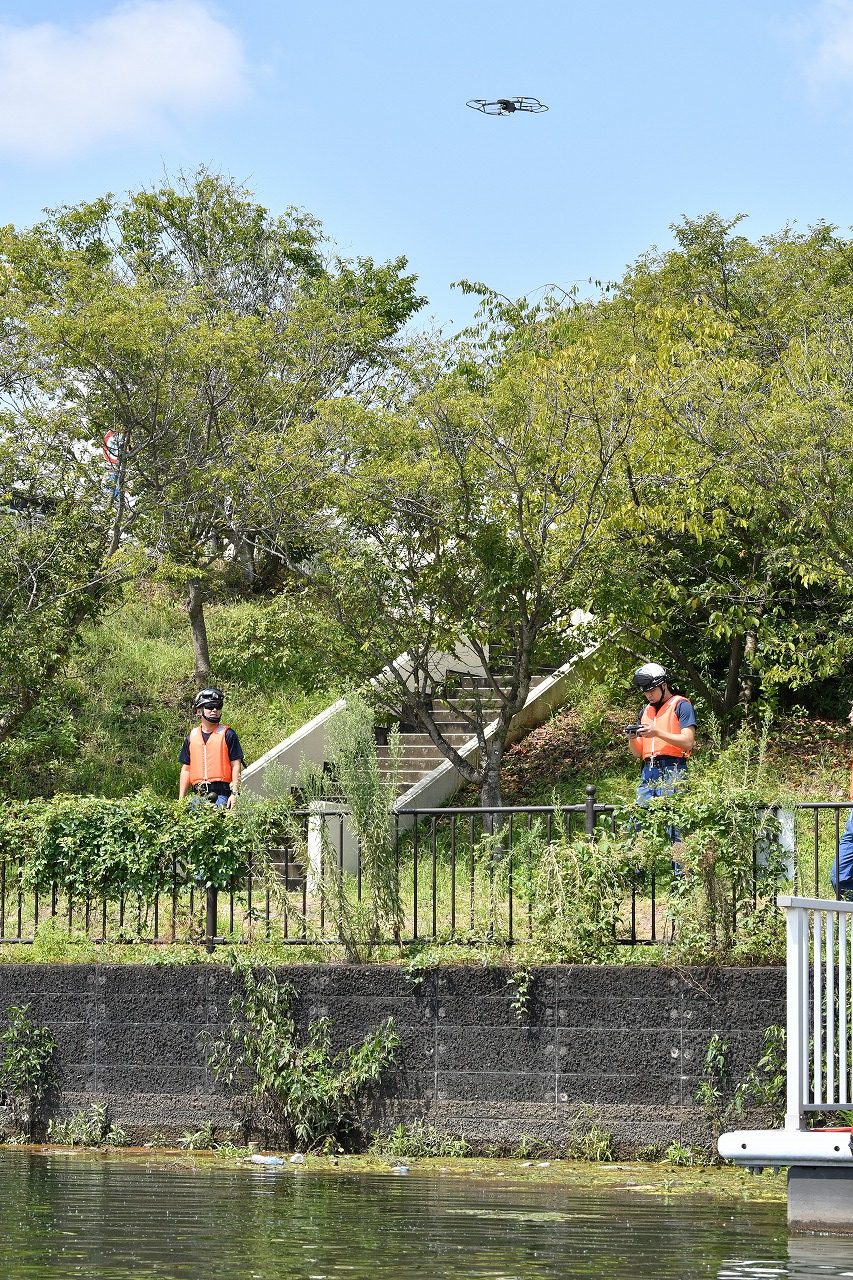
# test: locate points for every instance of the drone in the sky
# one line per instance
(506, 106)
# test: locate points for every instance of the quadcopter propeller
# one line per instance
(506, 106)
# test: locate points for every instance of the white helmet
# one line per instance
(651, 675)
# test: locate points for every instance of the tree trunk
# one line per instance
(490, 783)
(749, 680)
(201, 654)
(730, 700)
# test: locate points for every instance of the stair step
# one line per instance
(414, 741)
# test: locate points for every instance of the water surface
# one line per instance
(63, 1215)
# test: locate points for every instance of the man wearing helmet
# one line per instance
(841, 872)
(663, 737)
(211, 757)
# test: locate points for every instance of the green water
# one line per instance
(109, 1219)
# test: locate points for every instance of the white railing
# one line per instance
(820, 1006)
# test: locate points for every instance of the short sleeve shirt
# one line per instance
(686, 714)
(232, 742)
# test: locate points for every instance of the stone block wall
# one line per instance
(621, 1046)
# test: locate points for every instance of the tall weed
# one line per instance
(729, 863)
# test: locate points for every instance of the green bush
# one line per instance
(288, 1084)
(731, 867)
(419, 1139)
(134, 845)
(579, 884)
(26, 1067)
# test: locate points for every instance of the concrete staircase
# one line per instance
(426, 778)
(419, 755)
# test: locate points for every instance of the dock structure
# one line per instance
(819, 1158)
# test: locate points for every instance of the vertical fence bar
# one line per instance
(509, 882)
(842, 1008)
(589, 814)
(471, 866)
(433, 831)
(829, 988)
(817, 1021)
(397, 858)
(453, 875)
(415, 880)
(796, 924)
(210, 920)
(815, 886)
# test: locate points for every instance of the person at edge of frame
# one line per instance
(844, 865)
(663, 739)
(211, 758)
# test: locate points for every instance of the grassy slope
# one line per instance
(117, 722)
(808, 758)
(118, 719)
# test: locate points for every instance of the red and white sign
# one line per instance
(111, 447)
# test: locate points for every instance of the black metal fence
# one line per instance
(465, 874)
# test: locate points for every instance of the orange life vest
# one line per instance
(209, 761)
(665, 716)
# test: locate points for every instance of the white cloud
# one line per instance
(132, 74)
(831, 36)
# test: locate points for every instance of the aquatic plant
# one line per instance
(419, 1139)
(89, 1127)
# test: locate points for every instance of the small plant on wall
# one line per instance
(292, 1087)
(27, 1070)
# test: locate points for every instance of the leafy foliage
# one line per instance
(134, 845)
(419, 1139)
(726, 1101)
(26, 1067)
(89, 1127)
(294, 1087)
(578, 885)
(369, 913)
(727, 838)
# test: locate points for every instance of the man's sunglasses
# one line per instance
(210, 706)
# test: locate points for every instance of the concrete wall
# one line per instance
(620, 1045)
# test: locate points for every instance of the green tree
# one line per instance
(202, 331)
(466, 505)
(56, 572)
(716, 566)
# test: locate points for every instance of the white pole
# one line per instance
(795, 920)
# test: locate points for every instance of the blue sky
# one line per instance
(355, 110)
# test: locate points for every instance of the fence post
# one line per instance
(797, 988)
(589, 816)
(210, 922)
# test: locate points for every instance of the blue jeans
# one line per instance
(661, 780)
(845, 862)
(211, 798)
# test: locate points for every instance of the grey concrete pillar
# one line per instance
(820, 1198)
